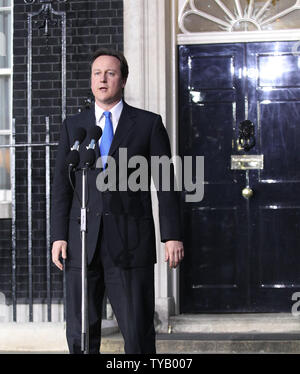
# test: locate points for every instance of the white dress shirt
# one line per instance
(115, 116)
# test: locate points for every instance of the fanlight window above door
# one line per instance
(198, 16)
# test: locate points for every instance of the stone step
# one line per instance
(263, 323)
(230, 333)
(223, 333)
(191, 343)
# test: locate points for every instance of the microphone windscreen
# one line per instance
(89, 157)
(95, 133)
(73, 158)
(79, 134)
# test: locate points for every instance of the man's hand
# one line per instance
(174, 252)
(59, 247)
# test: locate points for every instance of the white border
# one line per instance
(238, 37)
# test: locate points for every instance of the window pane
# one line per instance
(4, 103)
(4, 163)
(239, 15)
(5, 3)
(289, 21)
(5, 33)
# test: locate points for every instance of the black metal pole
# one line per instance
(84, 285)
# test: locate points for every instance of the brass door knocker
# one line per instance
(246, 135)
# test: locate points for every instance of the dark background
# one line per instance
(90, 25)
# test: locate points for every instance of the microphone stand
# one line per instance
(89, 159)
(83, 230)
(84, 283)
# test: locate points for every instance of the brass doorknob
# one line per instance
(247, 192)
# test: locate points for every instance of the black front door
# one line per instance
(242, 245)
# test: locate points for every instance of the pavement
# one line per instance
(195, 343)
(188, 334)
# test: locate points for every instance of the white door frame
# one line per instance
(150, 46)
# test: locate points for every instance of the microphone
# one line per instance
(79, 135)
(73, 157)
(94, 135)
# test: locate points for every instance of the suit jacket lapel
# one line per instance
(125, 125)
(91, 122)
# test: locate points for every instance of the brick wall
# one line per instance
(90, 25)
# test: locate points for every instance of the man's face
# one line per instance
(106, 81)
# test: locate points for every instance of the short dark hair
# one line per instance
(111, 52)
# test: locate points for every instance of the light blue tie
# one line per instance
(106, 139)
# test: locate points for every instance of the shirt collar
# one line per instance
(115, 112)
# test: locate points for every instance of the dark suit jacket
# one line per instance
(125, 217)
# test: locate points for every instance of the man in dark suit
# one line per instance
(120, 229)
